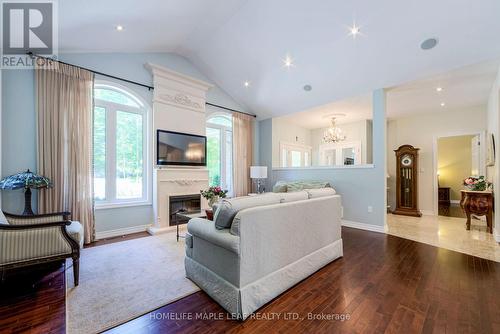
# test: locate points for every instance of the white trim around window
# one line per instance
(286, 151)
(111, 110)
(226, 155)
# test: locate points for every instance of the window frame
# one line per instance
(222, 147)
(111, 110)
(305, 154)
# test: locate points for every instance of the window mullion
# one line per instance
(111, 157)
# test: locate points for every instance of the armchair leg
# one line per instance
(76, 270)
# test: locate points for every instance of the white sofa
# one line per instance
(267, 250)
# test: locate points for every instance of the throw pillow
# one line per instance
(280, 187)
(228, 208)
(301, 185)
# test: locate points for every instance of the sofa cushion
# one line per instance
(301, 185)
(3, 219)
(279, 187)
(228, 208)
(75, 231)
(294, 196)
(316, 193)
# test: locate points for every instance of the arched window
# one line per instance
(220, 150)
(120, 146)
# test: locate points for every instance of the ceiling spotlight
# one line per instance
(439, 89)
(354, 30)
(247, 84)
(442, 104)
(288, 61)
(429, 43)
(119, 28)
(308, 88)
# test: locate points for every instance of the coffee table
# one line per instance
(186, 216)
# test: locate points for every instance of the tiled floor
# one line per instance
(446, 232)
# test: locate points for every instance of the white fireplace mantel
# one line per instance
(175, 182)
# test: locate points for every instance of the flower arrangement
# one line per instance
(213, 194)
(477, 183)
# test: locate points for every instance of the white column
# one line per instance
(380, 151)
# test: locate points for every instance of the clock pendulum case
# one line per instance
(407, 181)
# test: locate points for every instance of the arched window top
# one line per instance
(221, 119)
(114, 94)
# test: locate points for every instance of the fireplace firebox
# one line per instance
(187, 203)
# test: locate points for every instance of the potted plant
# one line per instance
(477, 183)
(213, 194)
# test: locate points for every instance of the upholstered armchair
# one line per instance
(29, 240)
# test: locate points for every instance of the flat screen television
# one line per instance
(181, 149)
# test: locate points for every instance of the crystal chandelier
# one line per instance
(333, 134)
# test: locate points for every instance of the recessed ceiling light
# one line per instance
(119, 28)
(354, 30)
(439, 89)
(288, 61)
(429, 43)
(246, 84)
(443, 104)
(308, 88)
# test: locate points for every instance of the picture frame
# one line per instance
(490, 150)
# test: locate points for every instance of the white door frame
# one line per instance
(482, 155)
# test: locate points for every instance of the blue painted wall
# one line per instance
(18, 132)
(19, 126)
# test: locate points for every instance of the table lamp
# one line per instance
(258, 173)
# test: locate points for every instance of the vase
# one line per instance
(212, 201)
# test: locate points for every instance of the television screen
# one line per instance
(174, 148)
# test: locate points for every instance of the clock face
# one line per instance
(406, 160)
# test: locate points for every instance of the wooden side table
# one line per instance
(478, 203)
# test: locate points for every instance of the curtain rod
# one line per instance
(31, 54)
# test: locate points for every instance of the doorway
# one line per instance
(456, 158)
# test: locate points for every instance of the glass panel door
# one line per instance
(214, 156)
(99, 153)
(330, 157)
(129, 155)
(348, 155)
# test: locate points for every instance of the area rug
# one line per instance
(123, 280)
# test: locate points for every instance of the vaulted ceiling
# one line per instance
(233, 41)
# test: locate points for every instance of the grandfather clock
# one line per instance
(407, 181)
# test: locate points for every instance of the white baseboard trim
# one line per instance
(455, 201)
(121, 231)
(363, 226)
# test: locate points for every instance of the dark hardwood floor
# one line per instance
(383, 284)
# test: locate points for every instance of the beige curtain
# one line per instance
(64, 96)
(242, 153)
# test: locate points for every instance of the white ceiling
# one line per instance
(232, 41)
(462, 88)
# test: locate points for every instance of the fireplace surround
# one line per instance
(187, 203)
